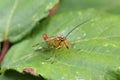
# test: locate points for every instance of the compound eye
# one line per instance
(45, 36)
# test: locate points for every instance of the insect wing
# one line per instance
(40, 46)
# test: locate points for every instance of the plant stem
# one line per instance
(4, 50)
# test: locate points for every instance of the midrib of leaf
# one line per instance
(9, 19)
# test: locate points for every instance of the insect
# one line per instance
(59, 41)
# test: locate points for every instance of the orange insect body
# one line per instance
(56, 41)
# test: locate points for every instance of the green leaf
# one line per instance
(18, 17)
(111, 6)
(93, 53)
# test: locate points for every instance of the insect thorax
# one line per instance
(57, 41)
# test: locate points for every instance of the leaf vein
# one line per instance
(9, 19)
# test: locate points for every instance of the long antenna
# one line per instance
(76, 27)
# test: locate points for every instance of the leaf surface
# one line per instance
(18, 17)
(110, 6)
(93, 53)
